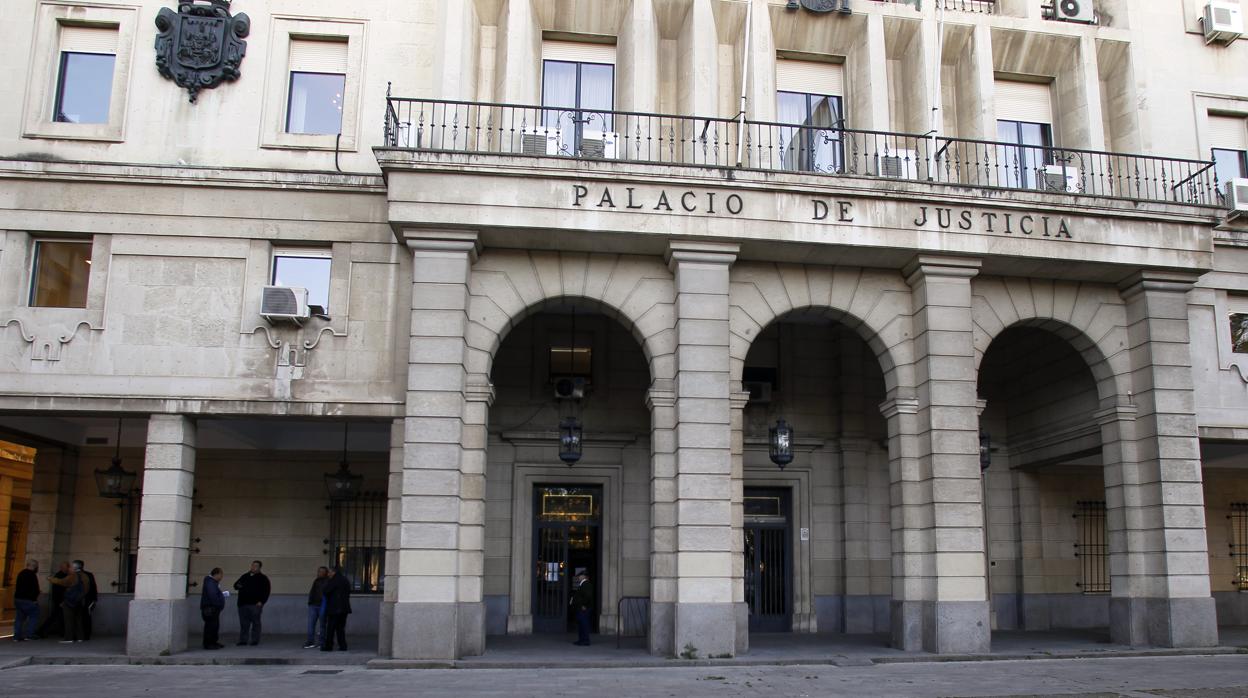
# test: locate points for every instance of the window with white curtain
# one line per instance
(808, 95)
(578, 90)
(1025, 120)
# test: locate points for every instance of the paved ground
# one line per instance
(1145, 677)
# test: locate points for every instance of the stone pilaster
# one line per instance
(661, 400)
(394, 503)
(1155, 509)
(707, 621)
(955, 609)
(737, 402)
(438, 608)
(157, 623)
(911, 547)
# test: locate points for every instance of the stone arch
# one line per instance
(507, 286)
(1092, 318)
(875, 304)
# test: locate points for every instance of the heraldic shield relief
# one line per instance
(201, 45)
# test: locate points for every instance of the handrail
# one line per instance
(642, 616)
(530, 130)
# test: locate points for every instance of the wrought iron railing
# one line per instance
(511, 129)
(987, 7)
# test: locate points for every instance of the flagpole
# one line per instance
(745, 75)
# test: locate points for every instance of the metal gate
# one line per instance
(565, 540)
(768, 570)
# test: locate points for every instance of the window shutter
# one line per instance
(315, 56)
(578, 52)
(1228, 132)
(1024, 101)
(810, 77)
(88, 39)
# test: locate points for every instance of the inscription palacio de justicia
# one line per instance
(825, 211)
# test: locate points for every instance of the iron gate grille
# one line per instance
(1239, 543)
(765, 576)
(127, 543)
(1092, 548)
(357, 540)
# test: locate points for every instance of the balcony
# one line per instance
(817, 151)
(986, 7)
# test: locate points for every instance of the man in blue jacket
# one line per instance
(211, 603)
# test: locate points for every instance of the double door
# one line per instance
(768, 560)
(565, 542)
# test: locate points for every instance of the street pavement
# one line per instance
(1224, 676)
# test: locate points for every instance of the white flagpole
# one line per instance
(745, 75)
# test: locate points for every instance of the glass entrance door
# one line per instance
(565, 542)
(768, 569)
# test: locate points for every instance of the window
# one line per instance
(304, 268)
(357, 540)
(575, 361)
(1024, 119)
(84, 81)
(60, 273)
(1239, 543)
(579, 81)
(1228, 136)
(1239, 333)
(1092, 548)
(809, 97)
(318, 82)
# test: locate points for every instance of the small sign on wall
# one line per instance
(805, 534)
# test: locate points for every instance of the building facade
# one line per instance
(571, 266)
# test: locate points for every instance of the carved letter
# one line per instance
(944, 218)
(1008, 230)
(578, 192)
(710, 202)
(922, 219)
(845, 208)
(821, 210)
(1024, 223)
(734, 199)
(684, 202)
(630, 199)
(989, 218)
(966, 221)
(663, 202)
(606, 198)
(1045, 219)
(1063, 231)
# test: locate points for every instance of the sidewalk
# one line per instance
(554, 651)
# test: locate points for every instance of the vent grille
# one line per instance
(280, 301)
(593, 147)
(533, 143)
(1222, 15)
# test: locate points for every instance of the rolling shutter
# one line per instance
(578, 52)
(1228, 132)
(810, 77)
(1024, 101)
(312, 56)
(88, 39)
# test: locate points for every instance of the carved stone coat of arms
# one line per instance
(201, 45)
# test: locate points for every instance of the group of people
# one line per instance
(329, 602)
(73, 598)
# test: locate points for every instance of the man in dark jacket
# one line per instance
(337, 606)
(211, 604)
(26, 600)
(76, 588)
(316, 619)
(253, 593)
(55, 622)
(582, 602)
(93, 596)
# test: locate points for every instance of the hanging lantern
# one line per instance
(781, 443)
(343, 485)
(116, 482)
(985, 451)
(570, 440)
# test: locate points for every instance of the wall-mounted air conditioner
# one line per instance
(1063, 178)
(1223, 22)
(897, 164)
(1236, 199)
(1074, 11)
(569, 387)
(284, 304)
(599, 144)
(760, 391)
(540, 141)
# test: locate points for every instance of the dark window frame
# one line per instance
(59, 100)
(290, 94)
(579, 121)
(1027, 176)
(807, 131)
(1093, 547)
(33, 290)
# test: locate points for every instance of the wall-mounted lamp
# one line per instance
(985, 450)
(570, 435)
(116, 482)
(780, 443)
(343, 485)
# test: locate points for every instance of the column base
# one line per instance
(156, 628)
(907, 625)
(706, 630)
(1163, 622)
(941, 627)
(662, 629)
(742, 610)
(385, 628)
(437, 630)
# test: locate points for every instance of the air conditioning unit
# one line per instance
(1237, 199)
(897, 164)
(284, 303)
(1074, 11)
(569, 387)
(540, 141)
(760, 391)
(600, 144)
(1223, 22)
(1063, 178)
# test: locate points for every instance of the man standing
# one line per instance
(253, 593)
(26, 599)
(211, 604)
(582, 602)
(75, 585)
(93, 595)
(56, 620)
(316, 619)
(337, 606)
